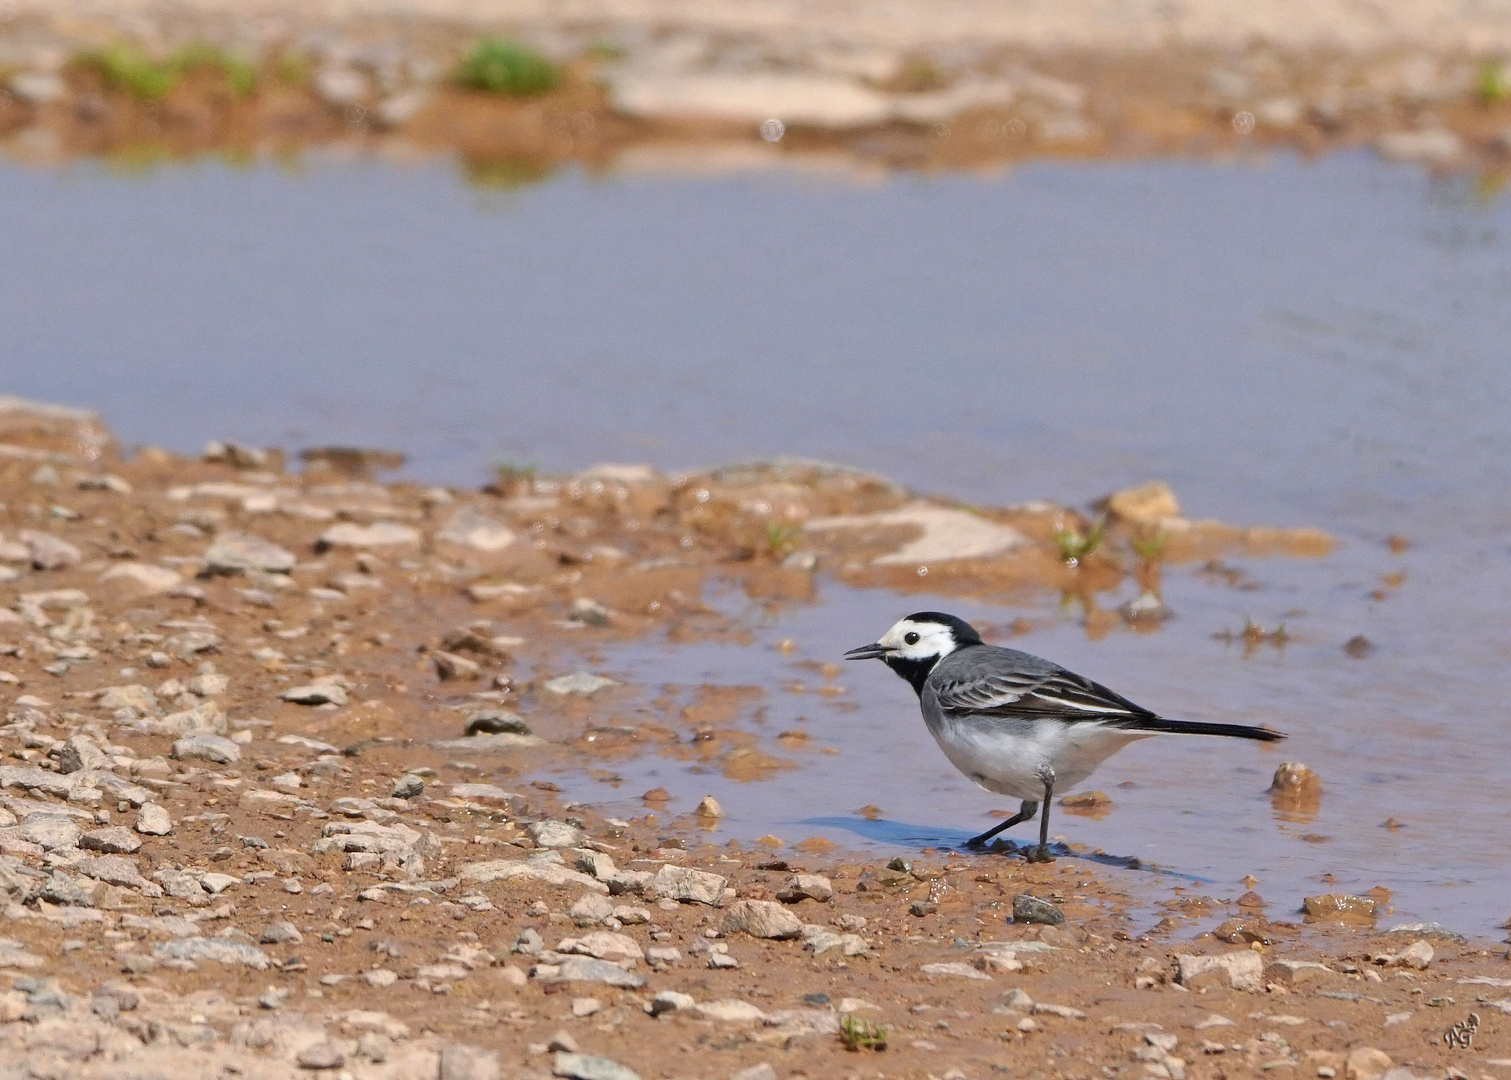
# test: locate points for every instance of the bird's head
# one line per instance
(915, 644)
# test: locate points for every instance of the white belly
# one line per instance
(1009, 757)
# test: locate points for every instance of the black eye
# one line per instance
(910, 637)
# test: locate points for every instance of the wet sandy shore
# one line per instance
(274, 800)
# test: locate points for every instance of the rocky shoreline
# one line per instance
(642, 91)
(274, 800)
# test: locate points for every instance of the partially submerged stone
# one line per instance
(579, 682)
(1341, 906)
(1148, 504)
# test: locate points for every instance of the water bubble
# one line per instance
(1243, 121)
(772, 130)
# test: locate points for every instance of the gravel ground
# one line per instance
(273, 803)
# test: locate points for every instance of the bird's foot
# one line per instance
(1038, 855)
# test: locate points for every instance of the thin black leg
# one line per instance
(1041, 854)
(1025, 813)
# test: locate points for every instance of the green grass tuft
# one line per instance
(507, 68)
(505, 173)
(1490, 83)
(857, 1034)
(781, 540)
(292, 69)
(125, 67)
(1150, 546)
(1075, 545)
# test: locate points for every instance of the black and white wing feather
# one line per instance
(1010, 683)
(990, 681)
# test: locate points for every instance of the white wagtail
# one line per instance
(1015, 724)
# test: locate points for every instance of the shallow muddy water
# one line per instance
(1285, 343)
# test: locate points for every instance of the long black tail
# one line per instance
(1201, 727)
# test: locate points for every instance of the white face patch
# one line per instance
(911, 640)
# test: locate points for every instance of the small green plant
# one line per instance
(292, 69)
(857, 1034)
(506, 68)
(918, 75)
(1253, 635)
(504, 173)
(1150, 546)
(605, 52)
(240, 75)
(1075, 545)
(1491, 84)
(127, 68)
(515, 472)
(781, 539)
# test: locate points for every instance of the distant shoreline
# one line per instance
(964, 88)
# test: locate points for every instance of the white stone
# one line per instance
(946, 533)
(470, 529)
(761, 918)
(681, 883)
(579, 682)
(37, 87)
(1433, 145)
(555, 834)
(341, 85)
(145, 577)
(378, 534)
(1241, 969)
(816, 100)
(729, 1012)
(153, 820)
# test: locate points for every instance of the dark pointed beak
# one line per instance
(873, 651)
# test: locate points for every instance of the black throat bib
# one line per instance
(914, 671)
